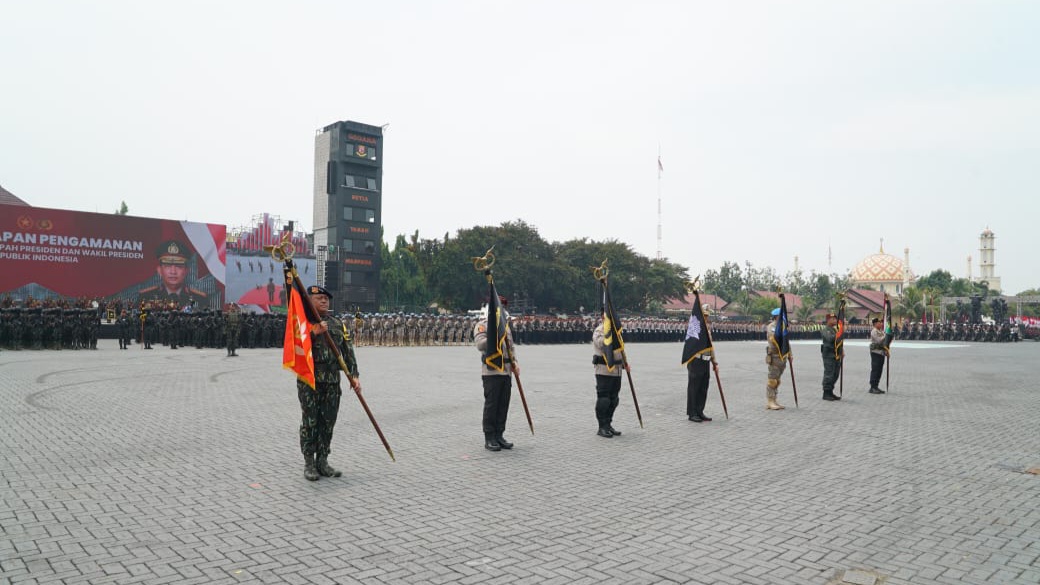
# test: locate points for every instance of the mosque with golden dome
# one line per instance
(883, 272)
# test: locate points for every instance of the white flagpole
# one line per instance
(659, 169)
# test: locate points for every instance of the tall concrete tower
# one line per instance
(987, 262)
(348, 209)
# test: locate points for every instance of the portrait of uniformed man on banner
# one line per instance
(173, 258)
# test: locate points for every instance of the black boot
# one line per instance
(502, 442)
(605, 432)
(309, 471)
(613, 431)
(830, 397)
(326, 470)
(491, 443)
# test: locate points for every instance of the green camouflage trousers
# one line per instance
(319, 408)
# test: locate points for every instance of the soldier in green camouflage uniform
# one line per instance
(320, 405)
(232, 329)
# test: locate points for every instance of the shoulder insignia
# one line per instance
(196, 292)
(150, 289)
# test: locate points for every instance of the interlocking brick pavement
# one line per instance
(183, 467)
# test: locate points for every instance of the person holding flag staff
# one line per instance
(832, 350)
(320, 396)
(877, 355)
(496, 370)
(317, 369)
(778, 348)
(611, 351)
(697, 357)
(494, 341)
(608, 362)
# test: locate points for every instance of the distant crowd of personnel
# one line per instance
(410, 330)
(79, 328)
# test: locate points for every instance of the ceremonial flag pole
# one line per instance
(839, 344)
(889, 335)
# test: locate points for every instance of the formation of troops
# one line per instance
(80, 328)
(1004, 332)
(49, 328)
(401, 329)
(205, 329)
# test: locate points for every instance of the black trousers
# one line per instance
(877, 364)
(831, 372)
(607, 390)
(496, 403)
(699, 374)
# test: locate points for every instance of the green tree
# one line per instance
(931, 299)
(1027, 310)
(960, 287)
(795, 282)
(821, 290)
(911, 304)
(762, 278)
(727, 282)
(938, 280)
(533, 273)
(578, 289)
(760, 308)
(521, 258)
(123, 209)
(401, 282)
(803, 314)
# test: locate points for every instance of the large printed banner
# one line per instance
(77, 254)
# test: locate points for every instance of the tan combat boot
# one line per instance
(771, 403)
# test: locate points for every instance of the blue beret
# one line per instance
(776, 312)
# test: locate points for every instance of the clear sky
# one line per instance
(784, 128)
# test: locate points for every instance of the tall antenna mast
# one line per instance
(660, 169)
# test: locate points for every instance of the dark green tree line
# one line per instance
(533, 273)
(733, 283)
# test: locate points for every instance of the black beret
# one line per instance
(318, 290)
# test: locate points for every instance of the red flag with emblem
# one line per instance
(296, 348)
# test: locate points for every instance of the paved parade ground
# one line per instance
(183, 466)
